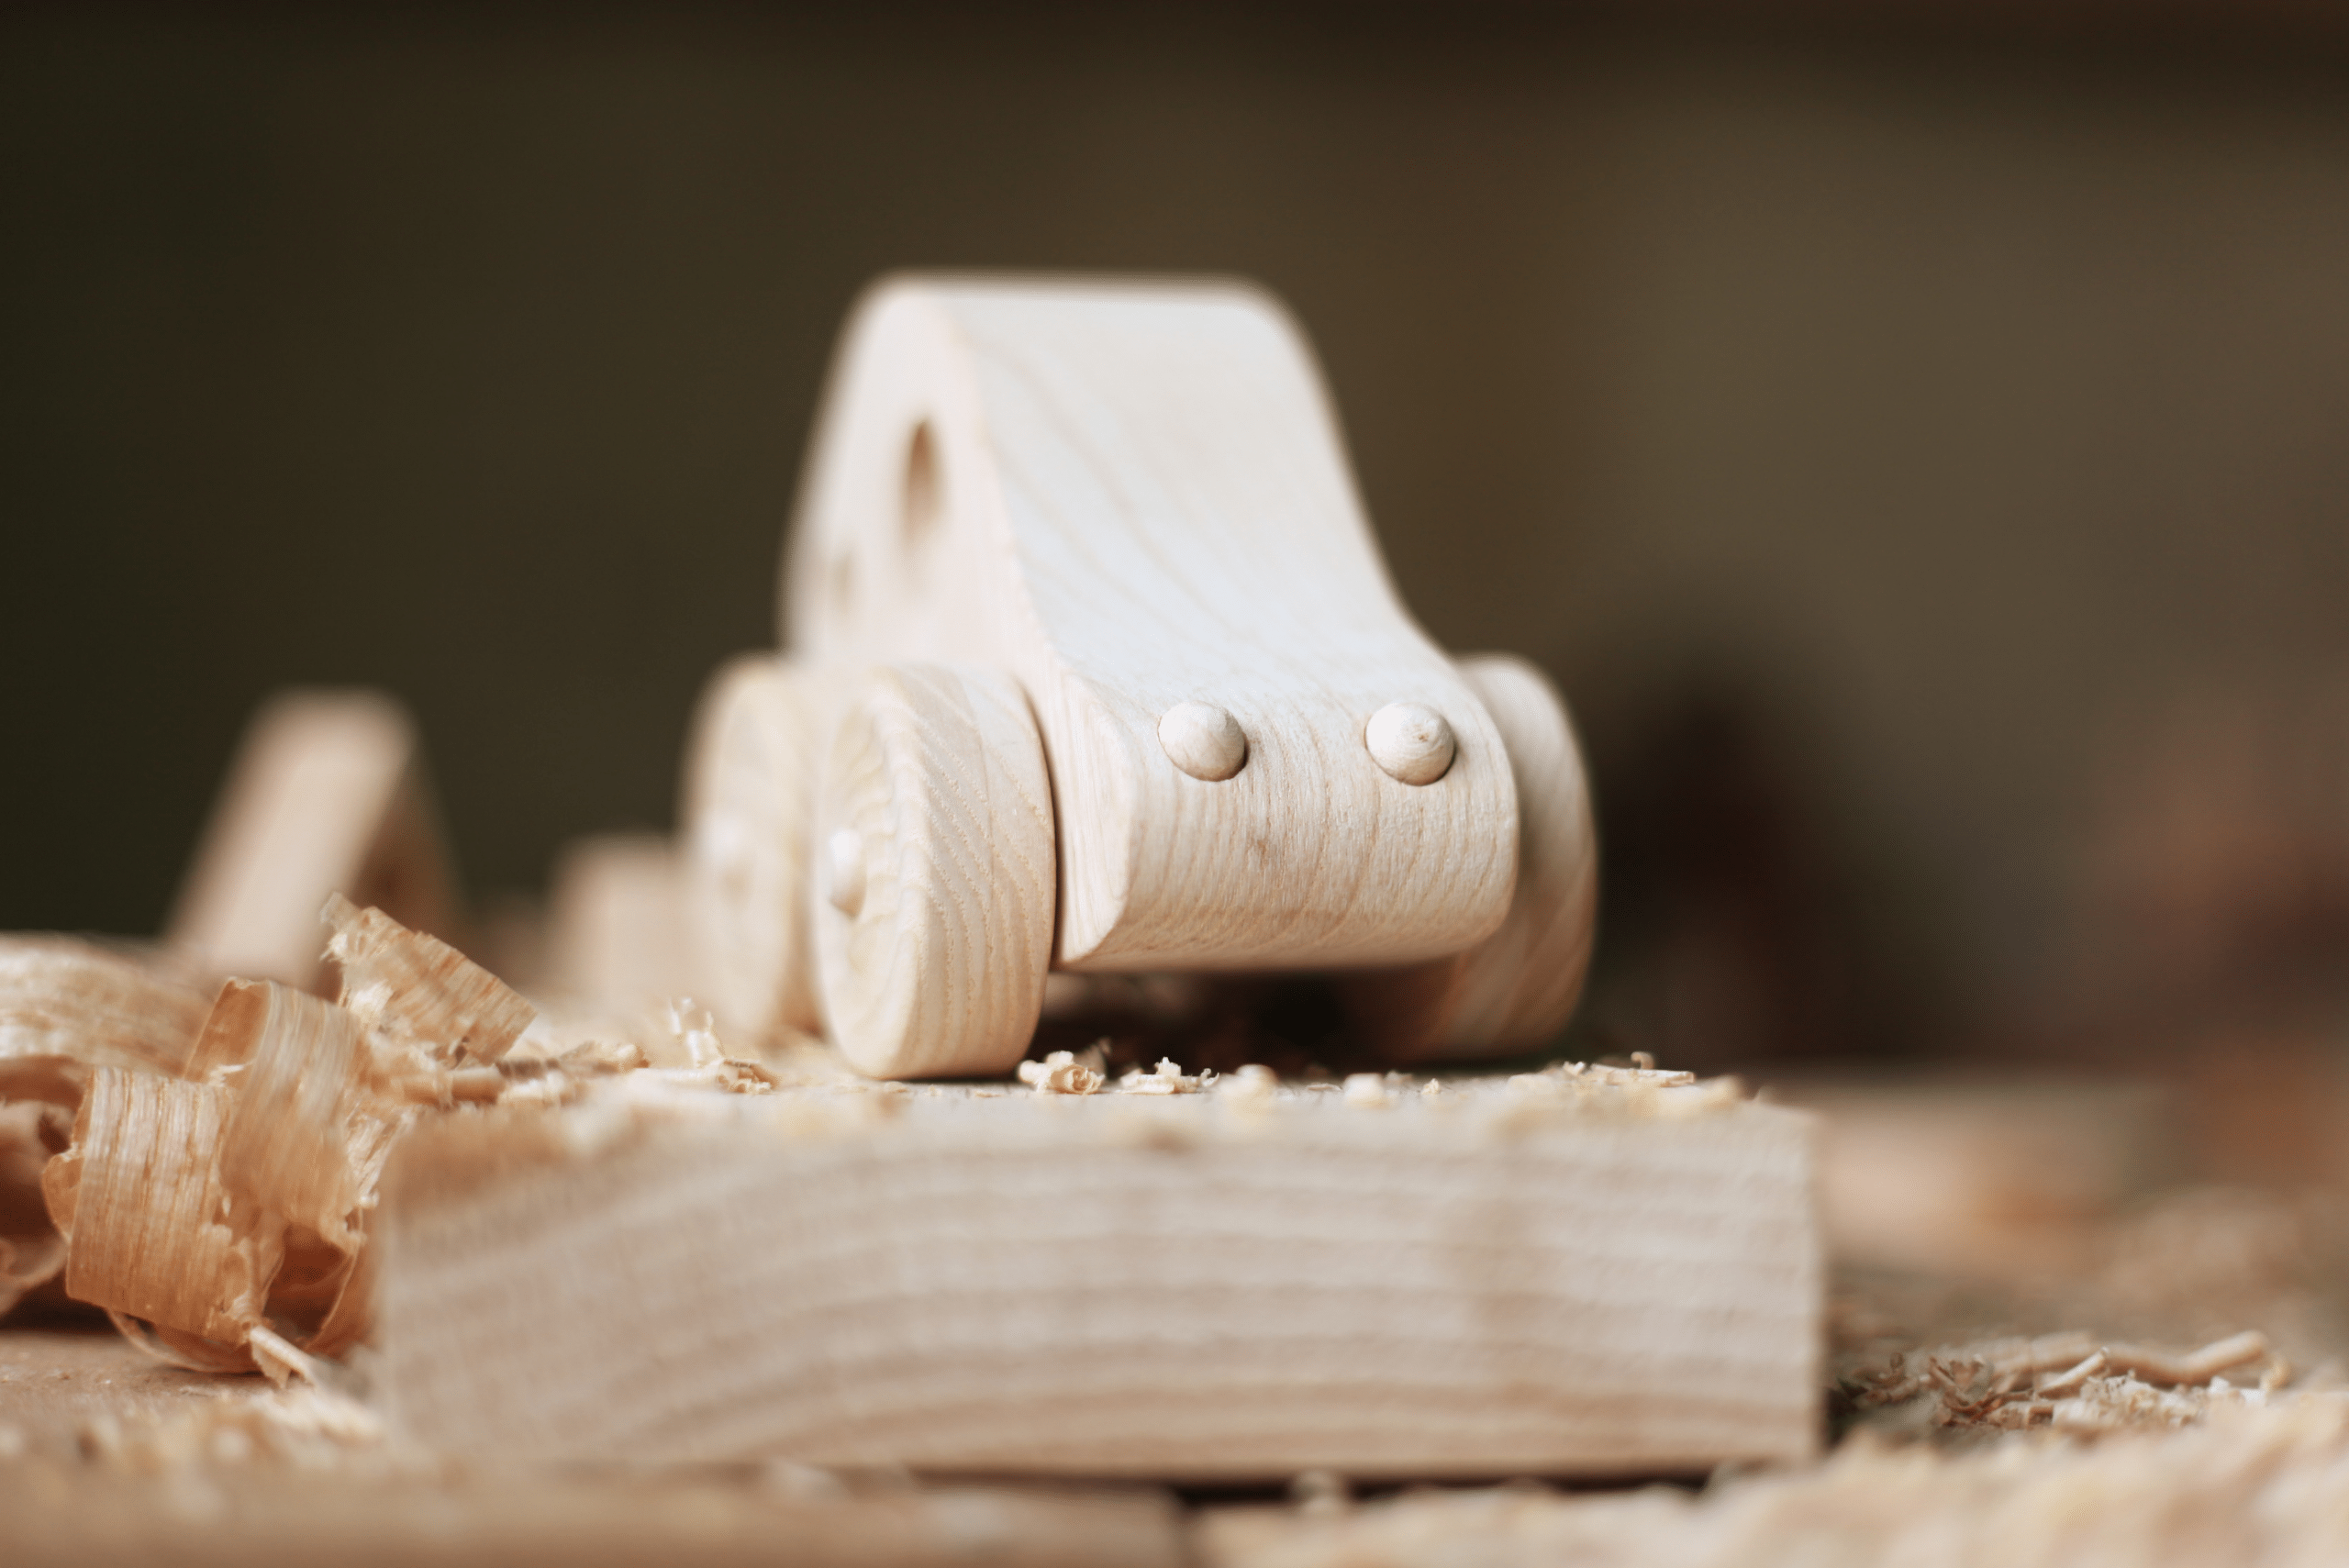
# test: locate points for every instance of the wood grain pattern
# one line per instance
(1132, 496)
(1514, 991)
(934, 927)
(750, 787)
(326, 794)
(1488, 1281)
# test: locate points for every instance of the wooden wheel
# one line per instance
(748, 801)
(1515, 990)
(934, 874)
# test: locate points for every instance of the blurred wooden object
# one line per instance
(326, 794)
(1210, 1286)
(616, 931)
(1980, 1178)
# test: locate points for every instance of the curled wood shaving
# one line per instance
(1063, 1073)
(32, 1251)
(2067, 1381)
(150, 1232)
(420, 989)
(290, 1143)
(315, 1095)
(65, 1007)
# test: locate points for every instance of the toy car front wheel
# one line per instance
(933, 874)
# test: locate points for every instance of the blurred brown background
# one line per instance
(1921, 452)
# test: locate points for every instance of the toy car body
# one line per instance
(1086, 621)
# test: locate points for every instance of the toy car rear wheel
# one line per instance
(1515, 990)
(749, 795)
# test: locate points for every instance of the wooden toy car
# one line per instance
(1093, 665)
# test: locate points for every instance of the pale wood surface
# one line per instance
(1514, 991)
(934, 919)
(109, 1457)
(326, 794)
(1133, 496)
(1485, 1282)
(749, 814)
(77, 1517)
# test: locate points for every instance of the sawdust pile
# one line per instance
(2259, 1488)
(2070, 1381)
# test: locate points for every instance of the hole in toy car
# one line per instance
(925, 498)
(840, 581)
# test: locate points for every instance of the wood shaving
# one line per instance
(1166, 1078)
(69, 999)
(1256, 1083)
(150, 1230)
(220, 1212)
(599, 1058)
(2067, 1380)
(1063, 1073)
(32, 1251)
(67, 1007)
(1577, 1074)
(420, 988)
(304, 1087)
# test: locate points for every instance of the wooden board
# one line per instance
(1493, 1280)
